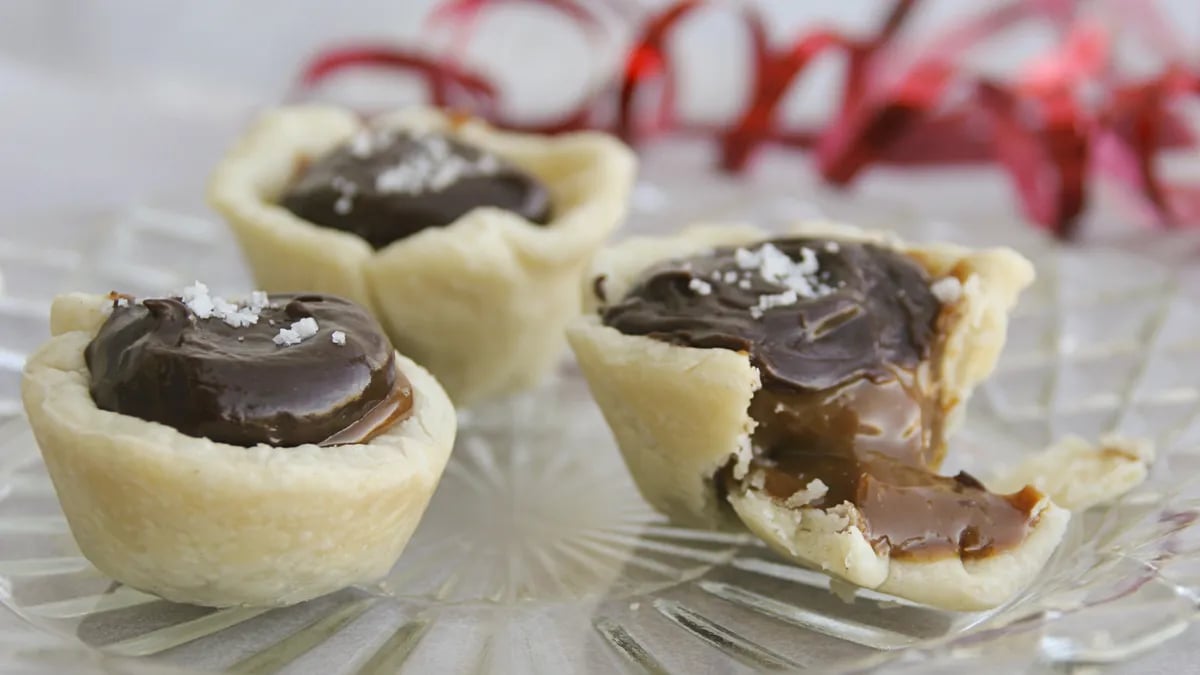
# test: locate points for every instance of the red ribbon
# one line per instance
(1065, 120)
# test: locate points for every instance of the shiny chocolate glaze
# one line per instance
(384, 186)
(156, 360)
(849, 393)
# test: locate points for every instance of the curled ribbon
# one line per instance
(1064, 120)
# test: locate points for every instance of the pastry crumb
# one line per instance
(947, 290)
(814, 491)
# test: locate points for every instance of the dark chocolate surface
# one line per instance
(158, 361)
(384, 186)
(848, 388)
(880, 312)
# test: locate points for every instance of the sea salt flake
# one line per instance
(259, 300)
(700, 286)
(306, 327)
(286, 337)
(221, 307)
(747, 259)
(338, 337)
(784, 299)
(241, 318)
(197, 299)
(947, 290)
(299, 332)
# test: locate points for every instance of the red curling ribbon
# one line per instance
(1066, 120)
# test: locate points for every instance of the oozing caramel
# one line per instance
(874, 444)
(396, 408)
(849, 391)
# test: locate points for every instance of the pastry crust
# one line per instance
(481, 302)
(674, 449)
(833, 541)
(196, 521)
(1078, 475)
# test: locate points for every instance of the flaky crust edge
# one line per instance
(674, 453)
(456, 298)
(207, 523)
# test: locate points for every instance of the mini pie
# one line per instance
(222, 454)
(467, 243)
(804, 387)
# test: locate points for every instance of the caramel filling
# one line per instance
(875, 444)
(392, 410)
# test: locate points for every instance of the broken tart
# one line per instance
(221, 453)
(804, 387)
(467, 243)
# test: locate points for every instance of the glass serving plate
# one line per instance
(537, 555)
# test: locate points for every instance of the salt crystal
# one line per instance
(700, 286)
(338, 337)
(197, 299)
(306, 327)
(765, 302)
(947, 290)
(299, 332)
(746, 259)
(287, 336)
(798, 277)
(221, 307)
(241, 318)
(259, 300)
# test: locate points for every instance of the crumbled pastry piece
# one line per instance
(708, 441)
(1078, 474)
(456, 297)
(211, 523)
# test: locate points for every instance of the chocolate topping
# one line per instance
(872, 308)
(157, 360)
(387, 185)
(845, 345)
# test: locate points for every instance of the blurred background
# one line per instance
(105, 103)
(974, 118)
